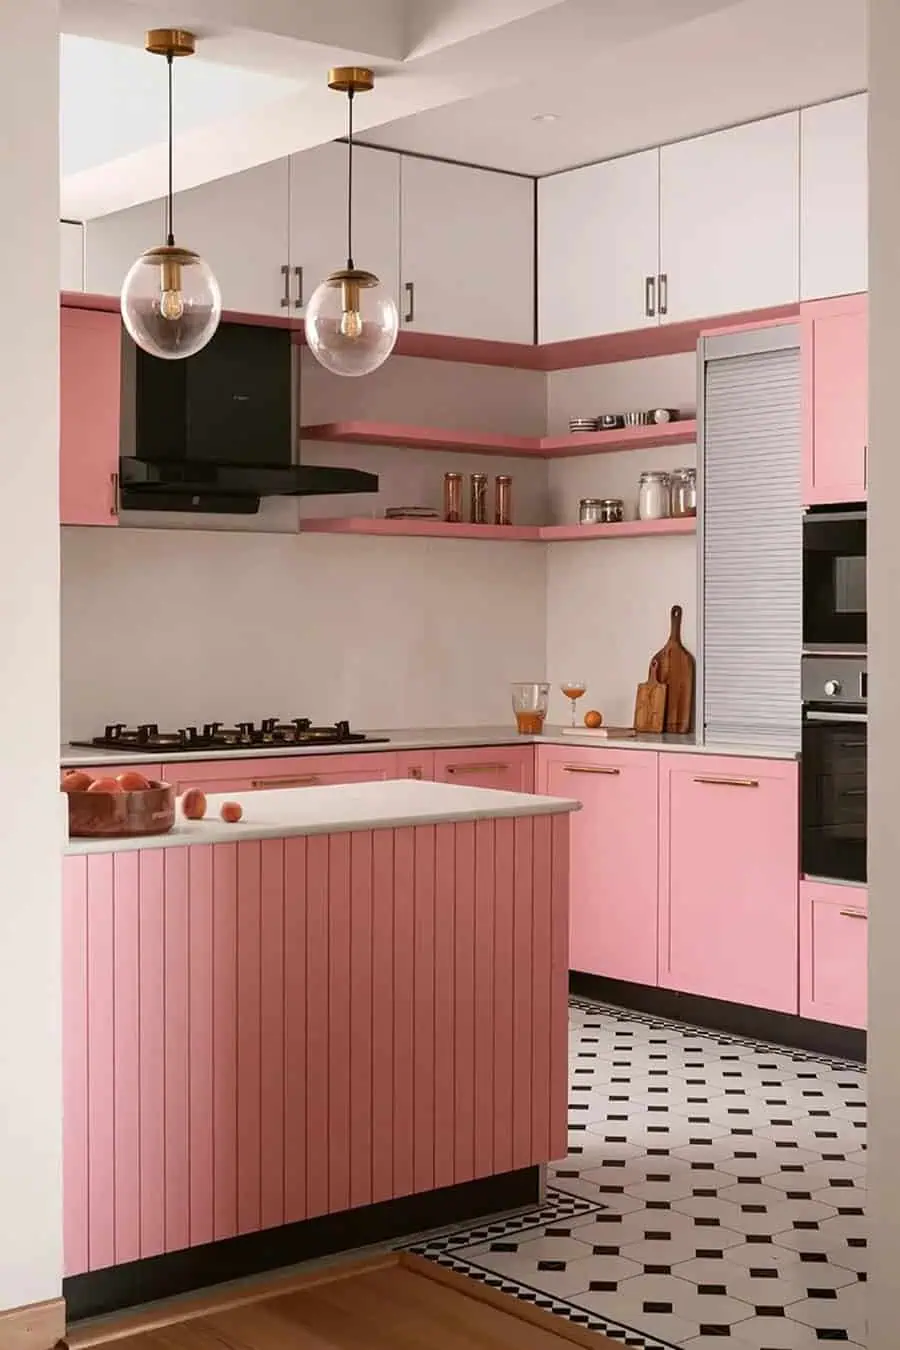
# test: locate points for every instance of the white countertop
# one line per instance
(442, 738)
(275, 813)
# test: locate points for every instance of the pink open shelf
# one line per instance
(441, 529)
(543, 447)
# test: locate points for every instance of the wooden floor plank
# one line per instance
(394, 1302)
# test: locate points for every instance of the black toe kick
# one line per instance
(104, 1291)
(819, 1038)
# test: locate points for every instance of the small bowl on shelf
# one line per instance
(610, 421)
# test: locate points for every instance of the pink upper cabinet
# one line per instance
(833, 953)
(728, 878)
(507, 767)
(90, 379)
(835, 400)
(613, 874)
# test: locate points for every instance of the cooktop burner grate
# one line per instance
(270, 733)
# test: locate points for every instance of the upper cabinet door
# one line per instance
(90, 364)
(729, 220)
(834, 192)
(598, 248)
(239, 224)
(834, 336)
(319, 217)
(71, 256)
(467, 251)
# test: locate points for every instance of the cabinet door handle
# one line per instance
(298, 273)
(114, 502)
(414, 773)
(729, 782)
(286, 297)
(590, 768)
(663, 292)
(309, 780)
(854, 914)
(650, 297)
(476, 768)
(865, 466)
(410, 289)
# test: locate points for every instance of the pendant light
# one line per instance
(171, 303)
(351, 320)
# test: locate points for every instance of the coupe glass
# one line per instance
(574, 690)
(530, 703)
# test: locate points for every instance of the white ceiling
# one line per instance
(462, 79)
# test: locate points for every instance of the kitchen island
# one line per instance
(339, 1021)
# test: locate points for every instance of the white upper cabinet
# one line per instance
(319, 217)
(240, 225)
(71, 256)
(729, 220)
(834, 215)
(598, 248)
(467, 251)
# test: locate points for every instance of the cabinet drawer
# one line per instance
(247, 775)
(508, 768)
(834, 953)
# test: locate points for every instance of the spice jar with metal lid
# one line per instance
(683, 492)
(453, 497)
(600, 510)
(654, 495)
(478, 499)
(503, 499)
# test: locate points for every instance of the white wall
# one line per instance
(608, 603)
(884, 655)
(30, 1014)
(175, 626)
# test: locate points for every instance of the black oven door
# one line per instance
(834, 794)
(834, 579)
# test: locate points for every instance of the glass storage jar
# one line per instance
(683, 492)
(654, 495)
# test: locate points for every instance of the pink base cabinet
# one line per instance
(262, 1032)
(834, 953)
(508, 768)
(728, 879)
(614, 898)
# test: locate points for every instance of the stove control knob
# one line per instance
(832, 688)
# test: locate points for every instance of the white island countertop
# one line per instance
(276, 813)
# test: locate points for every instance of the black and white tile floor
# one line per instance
(714, 1193)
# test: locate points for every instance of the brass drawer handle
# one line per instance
(854, 914)
(476, 768)
(114, 487)
(590, 768)
(308, 781)
(729, 782)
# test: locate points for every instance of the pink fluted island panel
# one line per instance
(265, 1031)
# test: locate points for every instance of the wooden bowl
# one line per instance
(116, 815)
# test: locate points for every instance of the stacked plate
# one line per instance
(582, 424)
(411, 513)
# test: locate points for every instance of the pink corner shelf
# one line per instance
(441, 529)
(542, 447)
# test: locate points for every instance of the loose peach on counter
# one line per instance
(193, 804)
(232, 812)
(593, 719)
(76, 780)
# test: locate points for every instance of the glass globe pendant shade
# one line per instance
(351, 323)
(171, 302)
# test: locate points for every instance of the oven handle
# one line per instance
(836, 717)
(811, 517)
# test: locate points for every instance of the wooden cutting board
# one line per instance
(650, 703)
(675, 667)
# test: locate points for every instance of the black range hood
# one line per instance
(218, 431)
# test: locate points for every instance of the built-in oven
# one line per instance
(835, 692)
(834, 579)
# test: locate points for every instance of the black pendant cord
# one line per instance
(170, 203)
(350, 267)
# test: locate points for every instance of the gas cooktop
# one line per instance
(271, 733)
